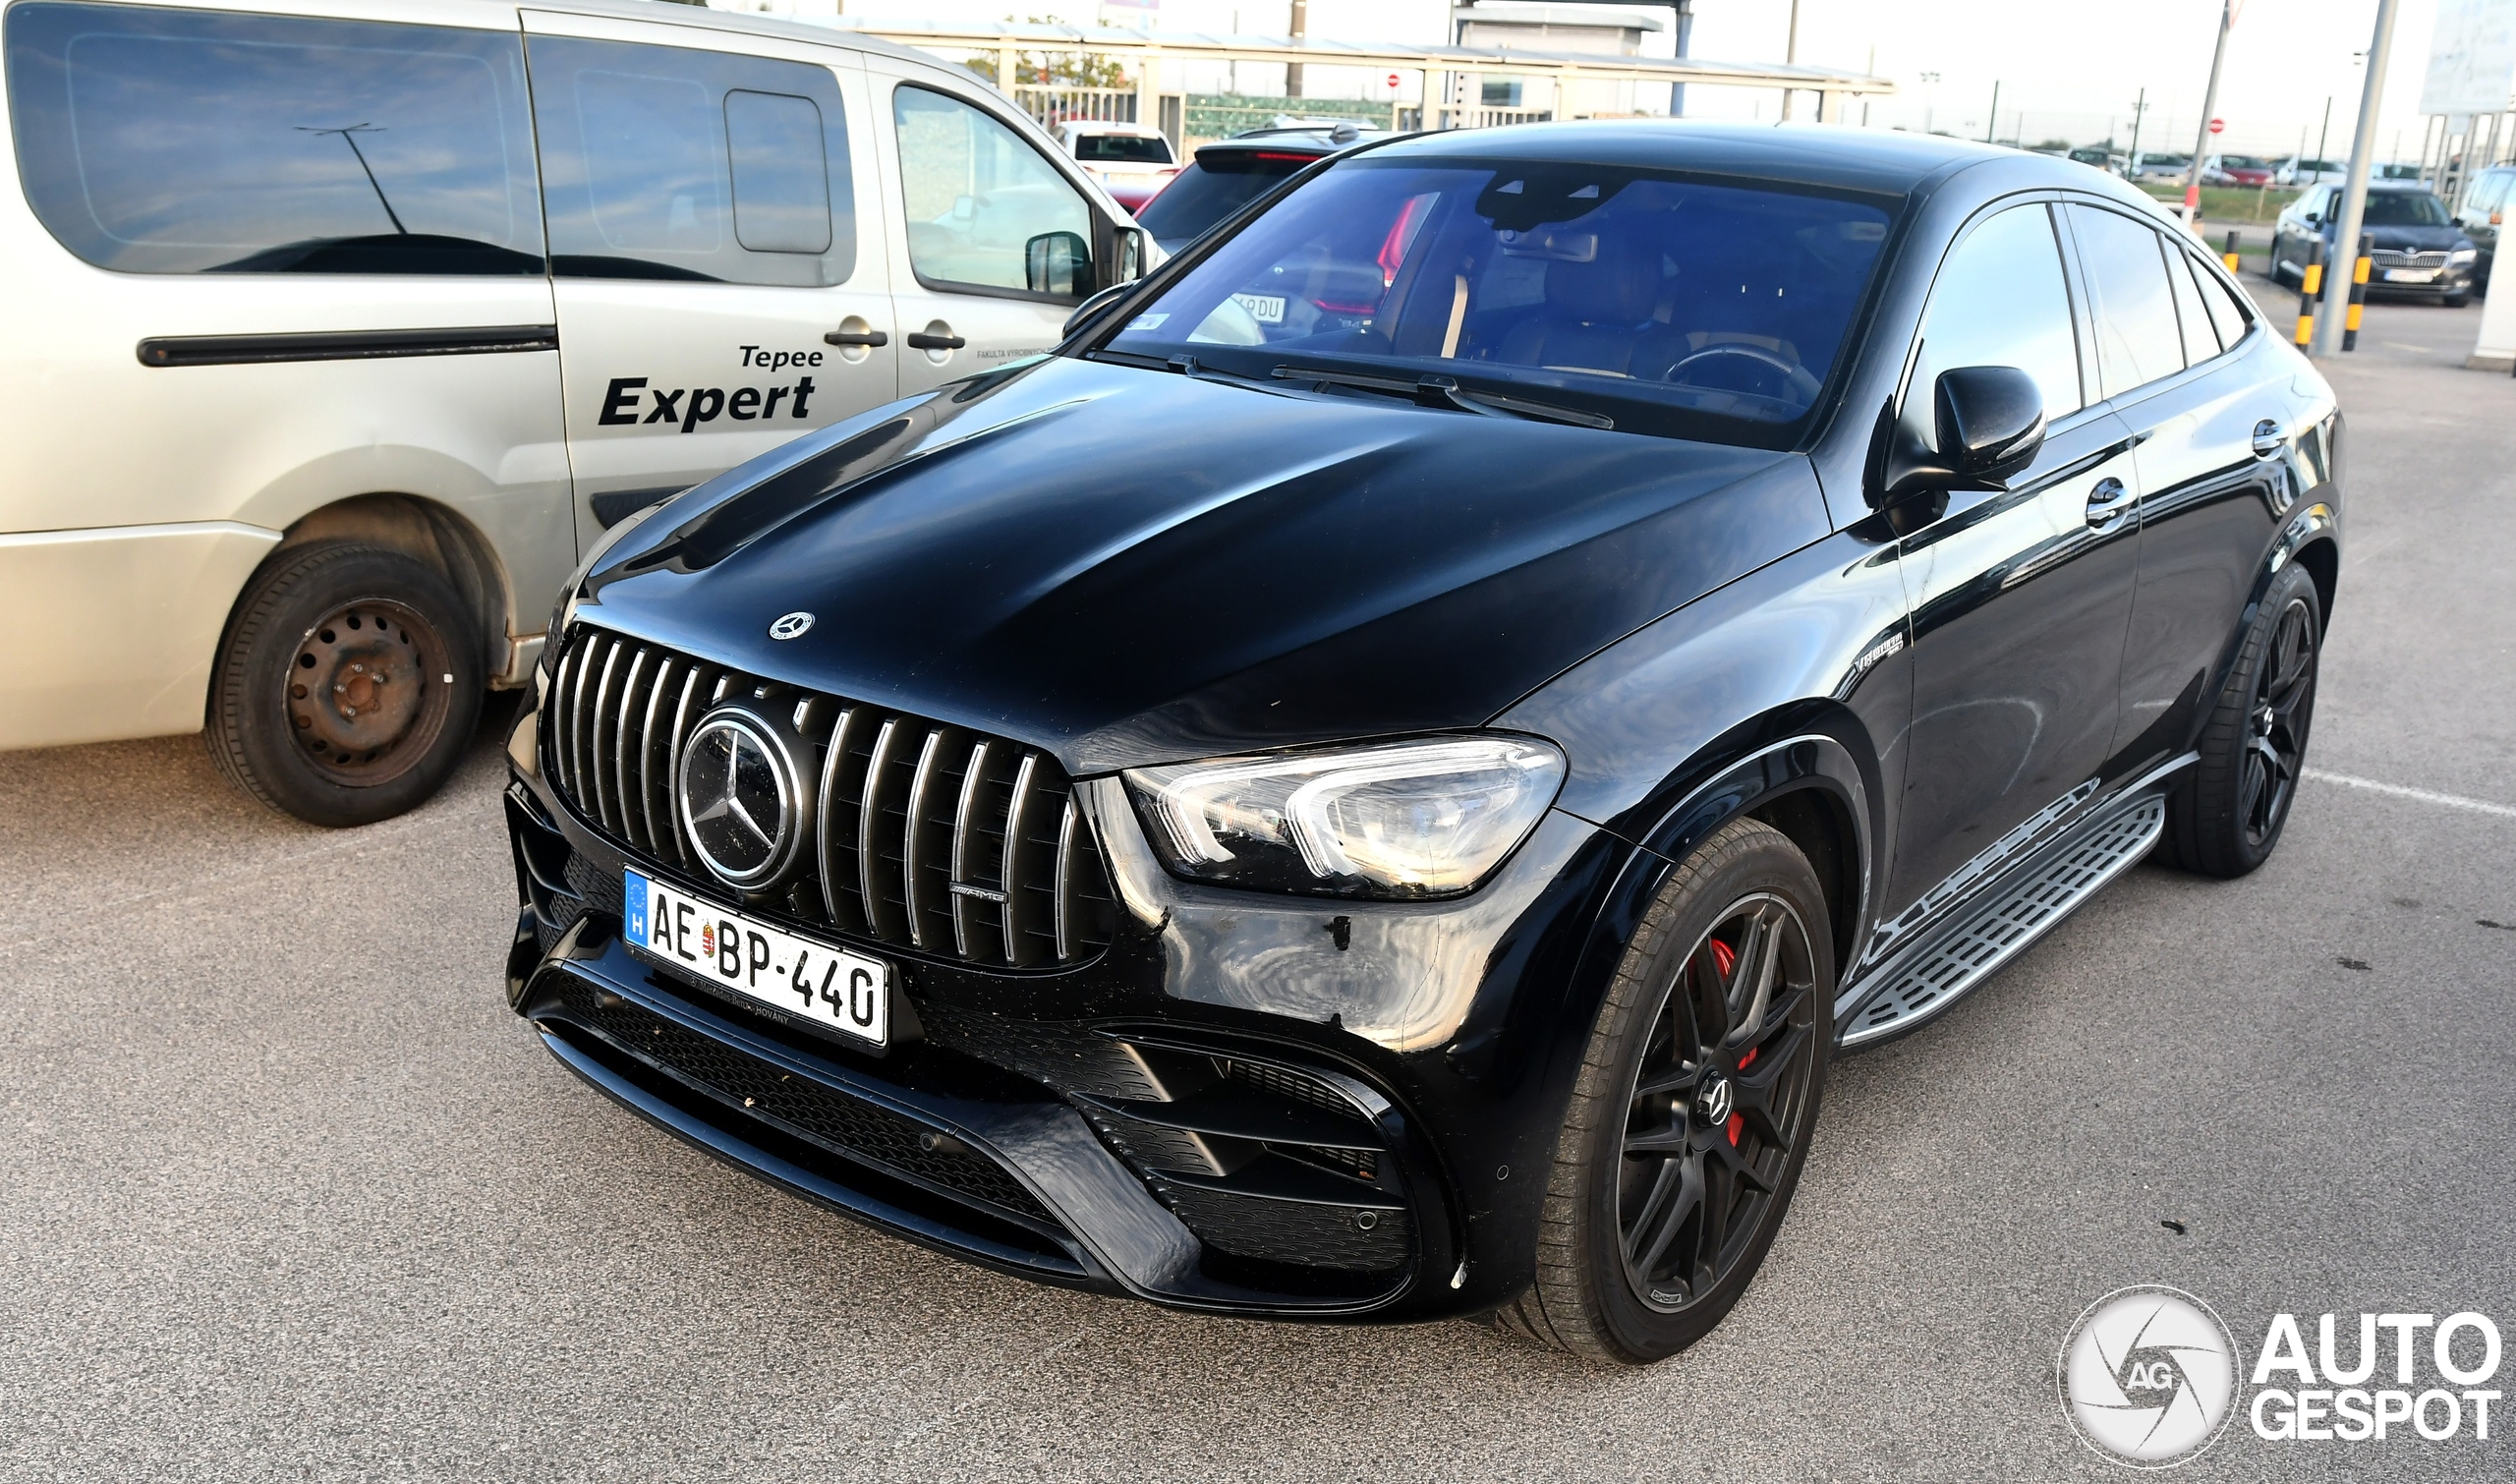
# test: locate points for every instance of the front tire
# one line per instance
(2227, 817)
(1692, 1116)
(347, 686)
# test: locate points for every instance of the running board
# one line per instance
(1939, 970)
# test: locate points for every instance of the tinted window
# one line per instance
(978, 197)
(2227, 314)
(664, 163)
(1663, 303)
(2201, 338)
(1098, 148)
(2137, 339)
(1219, 183)
(183, 141)
(2404, 208)
(2000, 301)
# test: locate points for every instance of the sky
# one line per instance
(2065, 71)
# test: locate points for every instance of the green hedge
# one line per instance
(1221, 115)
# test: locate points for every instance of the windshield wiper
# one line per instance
(1446, 392)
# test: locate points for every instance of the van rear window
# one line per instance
(188, 142)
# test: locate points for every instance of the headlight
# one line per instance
(1404, 820)
(2462, 255)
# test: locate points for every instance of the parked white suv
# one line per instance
(309, 412)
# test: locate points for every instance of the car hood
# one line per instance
(1127, 565)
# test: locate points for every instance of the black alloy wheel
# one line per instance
(2226, 816)
(1721, 1102)
(1691, 1115)
(348, 685)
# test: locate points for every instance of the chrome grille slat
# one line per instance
(909, 809)
(842, 900)
(972, 778)
(1008, 877)
(596, 730)
(868, 809)
(632, 816)
(685, 716)
(913, 827)
(657, 834)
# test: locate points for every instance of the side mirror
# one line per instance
(1057, 262)
(1989, 420)
(1131, 256)
(1090, 308)
(2312, 219)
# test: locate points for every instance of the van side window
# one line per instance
(659, 162)
(986, 213)
(157, 140)
(2137, 339)
(2001, 301)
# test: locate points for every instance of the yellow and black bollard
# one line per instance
(2309, 284)
(2357, 290)
(2232, 257)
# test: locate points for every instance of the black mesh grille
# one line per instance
(1288, 1084)
(1288, 1231)
(929, 836)
(838, 1122)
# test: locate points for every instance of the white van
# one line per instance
(338, 328)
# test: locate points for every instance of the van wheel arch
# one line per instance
(434, 535)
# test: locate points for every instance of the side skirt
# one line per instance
(2005, 915)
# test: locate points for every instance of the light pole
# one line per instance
(2354, 190)
(2209, 101)
(1791, 56)
(2139, 107)
(1992, 126)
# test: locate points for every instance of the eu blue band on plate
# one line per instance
(633, 905)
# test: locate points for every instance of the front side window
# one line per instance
(2001, 301)
(986, 213)
(191, 141)
(2137, 337)
(1602, 293)
(660, 162)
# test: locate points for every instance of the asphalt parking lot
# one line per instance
(289, 1194)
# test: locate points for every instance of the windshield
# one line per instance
(2404, 208)
(1121, 148)
(1660, 304)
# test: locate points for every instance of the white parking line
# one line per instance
(2450, 800)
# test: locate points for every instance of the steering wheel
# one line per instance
(1794, 373)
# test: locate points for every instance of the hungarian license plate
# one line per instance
(2410, 275)
(846, 992)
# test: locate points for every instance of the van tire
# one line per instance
(347, 686)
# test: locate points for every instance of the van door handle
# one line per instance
(2270, 437)
(2107, 503)
(874, 338)
(920, 340)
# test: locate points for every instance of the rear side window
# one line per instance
(2200, 338)
(2001, 301)
(2227, 315)
(191, 141)
(659, 162)
(2138, 338)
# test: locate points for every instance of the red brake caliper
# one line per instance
(1725, 958)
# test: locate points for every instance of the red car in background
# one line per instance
(1132, 160)
(2238, 170)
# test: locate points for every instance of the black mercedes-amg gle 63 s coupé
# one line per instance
(1371, 782)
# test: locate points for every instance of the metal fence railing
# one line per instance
(1053, 104)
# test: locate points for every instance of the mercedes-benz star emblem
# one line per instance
(1715, 1107)
(738, 798)
(790, 625)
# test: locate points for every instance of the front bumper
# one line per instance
(1177, 1120)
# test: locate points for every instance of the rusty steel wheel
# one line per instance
(348, 685)
(368, 691)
